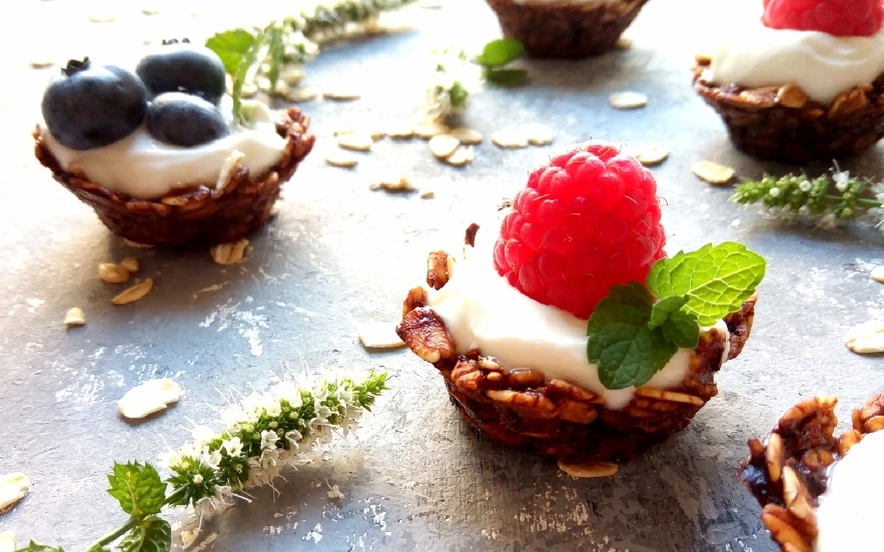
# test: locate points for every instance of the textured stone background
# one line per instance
(414, 477)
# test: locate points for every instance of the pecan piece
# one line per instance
(425, 334)
(439, 265)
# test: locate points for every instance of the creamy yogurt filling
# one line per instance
(146, 168)
(481, 309)
(822, 65)
(848, 517)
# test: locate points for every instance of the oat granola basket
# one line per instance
(199, 216)
(523, 407)
(568, 29)
(781, 123)
(789, 471)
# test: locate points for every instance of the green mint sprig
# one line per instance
(635, 331)
(267, 431)
(238, 50)
(829, 198)
(494, 58)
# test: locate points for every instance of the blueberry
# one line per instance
(184, 120)
(89, 106)
(183, 67)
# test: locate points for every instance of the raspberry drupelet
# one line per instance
(587, 221)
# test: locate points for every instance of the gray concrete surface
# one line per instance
(415, 478)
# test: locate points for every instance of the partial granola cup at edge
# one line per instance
(781, 123)
(568, 29)
(790, 471)
(522, 406)
(201, 215)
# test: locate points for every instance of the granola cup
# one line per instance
(780, 122)
(789, 472)
(524, 407)
(201, 215)
(568, 29)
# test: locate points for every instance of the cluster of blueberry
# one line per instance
(174, 91)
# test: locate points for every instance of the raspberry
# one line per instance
(834, 17)
(587, 221)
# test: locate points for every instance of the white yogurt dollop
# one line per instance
(143, 167)
(481, 309)
(849, 514)
(823, 65)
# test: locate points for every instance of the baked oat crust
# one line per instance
(197, 216)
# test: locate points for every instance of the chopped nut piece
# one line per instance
(13, 487)
(341, 95)
(461, 156)
(467, 136)
(650, 155)
(443, 145)
(74, 317)
(713, 173)
(378, 335)
(791, 95)
(394, 182)
(627, 100)
(878, 274)
(355, 141)
(509, 138)
(149, 397)
(339, 158)
(113, 273)
(537, 134)
(866, 338)
(588, 469)
(229, 253)
(134, 293)
(428, 130)
(130, 264)
(301, 94)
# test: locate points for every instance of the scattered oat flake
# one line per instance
(335, 493)
(712, 172)
(101, 17)
(509, 138)
(627, 100)
(400, 131)
(341, 95)
(130, 264)
(427, 194)
(13, 487)
(878, 274)
(379, 335)
(588, 469)
(42, 63)
(443, 145)
(537, 134)
(301, 94)
(74, 317)
(150, 10)
(149, 397)
(340, 158)
(355, 141)
(393, 182)
(866, 338)
(7, 541)
(229, 253)
(461, 156)
(467, 136)
(249, 90)
(136, 244)
(624, 42)
(113, 273)
(134, 293)
(428, 130)
(650, 155)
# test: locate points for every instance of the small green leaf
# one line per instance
(152, 535)
(458, 94)
(678, 327)
(232, 47)
(37, 547)
(626, 350)
(664, 308)
(500, 52)
(506, 77)
(716, 279)
(138, 487)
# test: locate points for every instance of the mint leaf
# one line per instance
(152, 535)
(238, 50)
(138, 488)
(500, 52)
(621, 342)
(678, 327)
(37, 547)
(716, 279)
(506, 77)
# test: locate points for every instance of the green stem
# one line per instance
(859, 201)
(114, 535)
